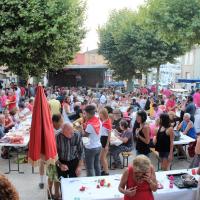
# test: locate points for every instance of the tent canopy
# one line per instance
(188, 80)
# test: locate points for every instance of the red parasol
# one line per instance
(42, 143)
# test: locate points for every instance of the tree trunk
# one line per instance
(146, 81)
(157, 80)
(129, 85)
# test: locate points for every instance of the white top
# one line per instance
(18, 94)
(104, 131)
(197, 120)
(142, 103)
(103, 99)
(114, 104)
(24, 112)
(94, 139)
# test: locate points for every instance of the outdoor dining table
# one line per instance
(16, 146)
(70, 188)
(21, 128)
(184, 140)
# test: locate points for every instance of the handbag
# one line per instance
(177, 135)
(191, 149)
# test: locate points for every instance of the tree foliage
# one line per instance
(176, 20)
(39, 35)
(130, 47)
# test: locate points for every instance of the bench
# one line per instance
(156, 154)
(125, 156)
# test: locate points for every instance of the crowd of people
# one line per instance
(139, 119)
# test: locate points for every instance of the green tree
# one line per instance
(39, 35)
(175, 20)
(130, 47)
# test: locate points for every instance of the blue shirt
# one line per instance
(191, 133)
(2, 131)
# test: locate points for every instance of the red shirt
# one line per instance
(170, 103)
(23, 91)
(144, 191)
(30, 107)
(144, 91)
(12, 105)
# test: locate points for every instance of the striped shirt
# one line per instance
(70, 148)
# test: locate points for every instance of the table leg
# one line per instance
(9, 165)
(18, 163)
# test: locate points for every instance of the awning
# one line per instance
(188, 80)
(95, 66)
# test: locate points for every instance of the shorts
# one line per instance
(164, 155)
(52, 173)
(104, 140)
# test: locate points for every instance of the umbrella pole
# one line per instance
(42, 172)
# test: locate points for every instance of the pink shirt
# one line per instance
(196, 98)
(197, 148)
(167, 93)
(152, 130)
(3, 100)
(157, 113)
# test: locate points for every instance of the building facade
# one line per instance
(87, 69)
(169, 74)
(190, 64)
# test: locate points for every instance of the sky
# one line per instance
(98, 13)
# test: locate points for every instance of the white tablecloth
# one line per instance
(21, 128)
(184, 139)
(71, 188)
(175, 193)
(24, 144)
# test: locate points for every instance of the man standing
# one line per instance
(55, 106)
(102, 99)
(171, 103)
(2, 125)
(70, 152)
(11, 100)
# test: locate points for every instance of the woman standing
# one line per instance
(139, 181)
(142, 134)
(93, 147)
(164, 141)
(66, 109)
(3, 99)
(190, 108)
(105, 131)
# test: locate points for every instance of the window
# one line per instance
(187, 75)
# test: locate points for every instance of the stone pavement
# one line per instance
(27, 183)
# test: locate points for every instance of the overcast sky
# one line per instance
(97, 14)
